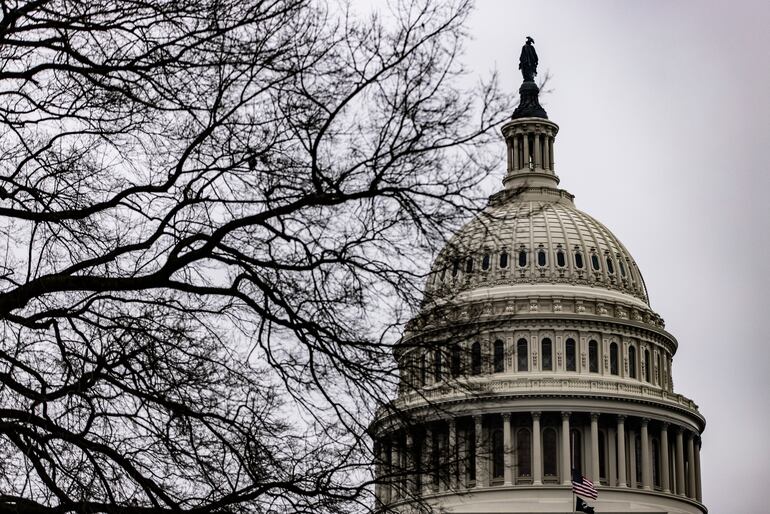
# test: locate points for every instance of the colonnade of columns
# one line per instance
(478, 451)
(530, 151)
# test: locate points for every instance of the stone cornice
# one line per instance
(440, 399)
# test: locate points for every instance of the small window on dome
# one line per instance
(455, 361)
(632, 361)
(547, 352)
(593, 356)
(522, 258)
(578, 260)
(541, 257)
(522, 355)
(595, 261)
(476, 358)
(504, 259)
(485, 262)
(469, 265)
(622, 268)
(570, 352)
(499, 357)
(455, 267)
(560, 261)
(610, 266)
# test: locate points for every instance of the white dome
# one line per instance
(534, 240)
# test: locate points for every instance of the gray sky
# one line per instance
(665, 121)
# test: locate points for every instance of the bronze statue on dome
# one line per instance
(529, 104)
(528, 61)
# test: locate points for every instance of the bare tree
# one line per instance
(216, 215)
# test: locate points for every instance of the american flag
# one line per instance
(582, 486)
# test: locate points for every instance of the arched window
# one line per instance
(549, 453)
(423, 370)
(541, 257)
(523, 453)
(547, 354)
(437, 366)
(560, 260)
(476, 359)
(658, 378)
(485, 262)
(469, 265)
(610, 266)
(614, 358)
(455, 267)
(498, 455)
(595, 262)
(522, 355)
(576, 449)
(622, 267)
(499, 357)
(602, 457)
(522, 258)
(570, 355)
(578, 259)
(456, 361)
(593, 356)
(647, 365)
(632, 361)
(504, 260)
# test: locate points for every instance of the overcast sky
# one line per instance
(664, 137)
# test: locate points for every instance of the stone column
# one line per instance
(691, 466)
(698, 490)
(441, 461)
(566, 468)
(480, 460)
(428, 470)
(383, 475)
(665, 481)
(679, 462)
(537, 451)
(632, 456)
(516, 152)
(525, 144)
(612, 469)
(595, 447)
(453, 460)
(646, 475)
(507, 449)
(546, 152)
(550, 152)
(377, 474)
(462, 456)
(395, 466)
(538, 153)
(622, 452)
(409, 471)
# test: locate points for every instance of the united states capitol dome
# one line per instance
(534, 359)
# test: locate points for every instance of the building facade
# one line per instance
(536, 352)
